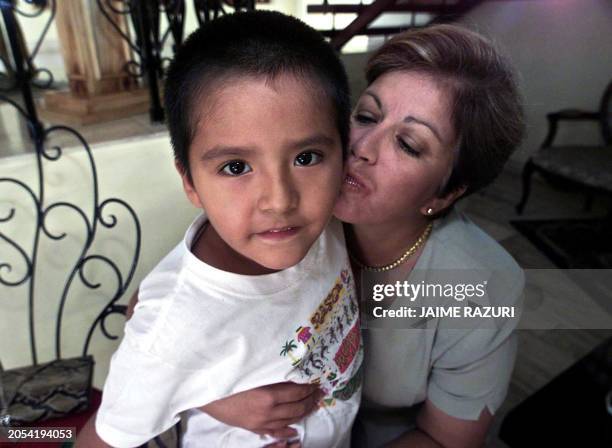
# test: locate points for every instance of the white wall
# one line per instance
(563, 52)
(139, 171)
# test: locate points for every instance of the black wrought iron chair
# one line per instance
(586, 168)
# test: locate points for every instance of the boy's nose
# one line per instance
(279, 195)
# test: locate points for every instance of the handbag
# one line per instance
(43, 391)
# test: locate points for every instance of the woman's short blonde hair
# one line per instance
(485, 105)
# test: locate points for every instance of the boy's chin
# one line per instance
(280, 263)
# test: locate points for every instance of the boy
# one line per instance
(260, 290)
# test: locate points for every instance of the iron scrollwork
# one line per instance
(99, 216)
(39, 76)
(207, 10)
(149, 41)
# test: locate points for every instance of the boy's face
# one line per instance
(266, 164)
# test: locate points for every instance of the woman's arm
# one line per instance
(469, 379)
(436, 429)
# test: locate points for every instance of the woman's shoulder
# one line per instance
(458, 242)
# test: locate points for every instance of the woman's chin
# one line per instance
(347, 211)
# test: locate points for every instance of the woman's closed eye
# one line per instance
(308, 158)
(364, 118)
(235, 168)
(406, 147)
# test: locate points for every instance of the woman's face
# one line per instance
(401, 151)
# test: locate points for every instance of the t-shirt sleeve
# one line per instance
(463, 390)
(471, 369)
(141, 397)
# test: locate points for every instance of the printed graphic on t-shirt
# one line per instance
(328, 349)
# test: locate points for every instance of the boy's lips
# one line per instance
(279, 233)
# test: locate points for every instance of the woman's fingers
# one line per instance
(297, 409)
(284, 444)
(282, 423)
(290, 392)
(283, 433)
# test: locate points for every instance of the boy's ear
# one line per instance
(188, 187)
(437, 204)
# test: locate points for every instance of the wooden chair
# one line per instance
(588, 168)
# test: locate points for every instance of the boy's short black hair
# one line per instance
(256, 43)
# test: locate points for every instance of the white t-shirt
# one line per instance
(199, 334)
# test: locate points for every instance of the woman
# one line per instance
(438, 120)
(440, 117)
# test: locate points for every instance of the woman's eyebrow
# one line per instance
(374, 97)
(432, 128)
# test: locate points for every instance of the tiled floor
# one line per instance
(542, 354)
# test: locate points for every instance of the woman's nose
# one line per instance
(279, 196)
(364, 147)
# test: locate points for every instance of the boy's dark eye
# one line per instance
(407, 148)
(307, 158)
(235, 168)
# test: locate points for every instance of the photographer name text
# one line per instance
(445, 311)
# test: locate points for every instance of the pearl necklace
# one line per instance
(411, 250)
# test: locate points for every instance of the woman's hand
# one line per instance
(267, 410)
(284, 444)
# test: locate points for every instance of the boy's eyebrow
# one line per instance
(314, 140)
(225, 151)
(241, 152)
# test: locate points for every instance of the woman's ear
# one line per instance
(438, 204)
(188, 187)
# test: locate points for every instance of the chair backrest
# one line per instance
(605, 112)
